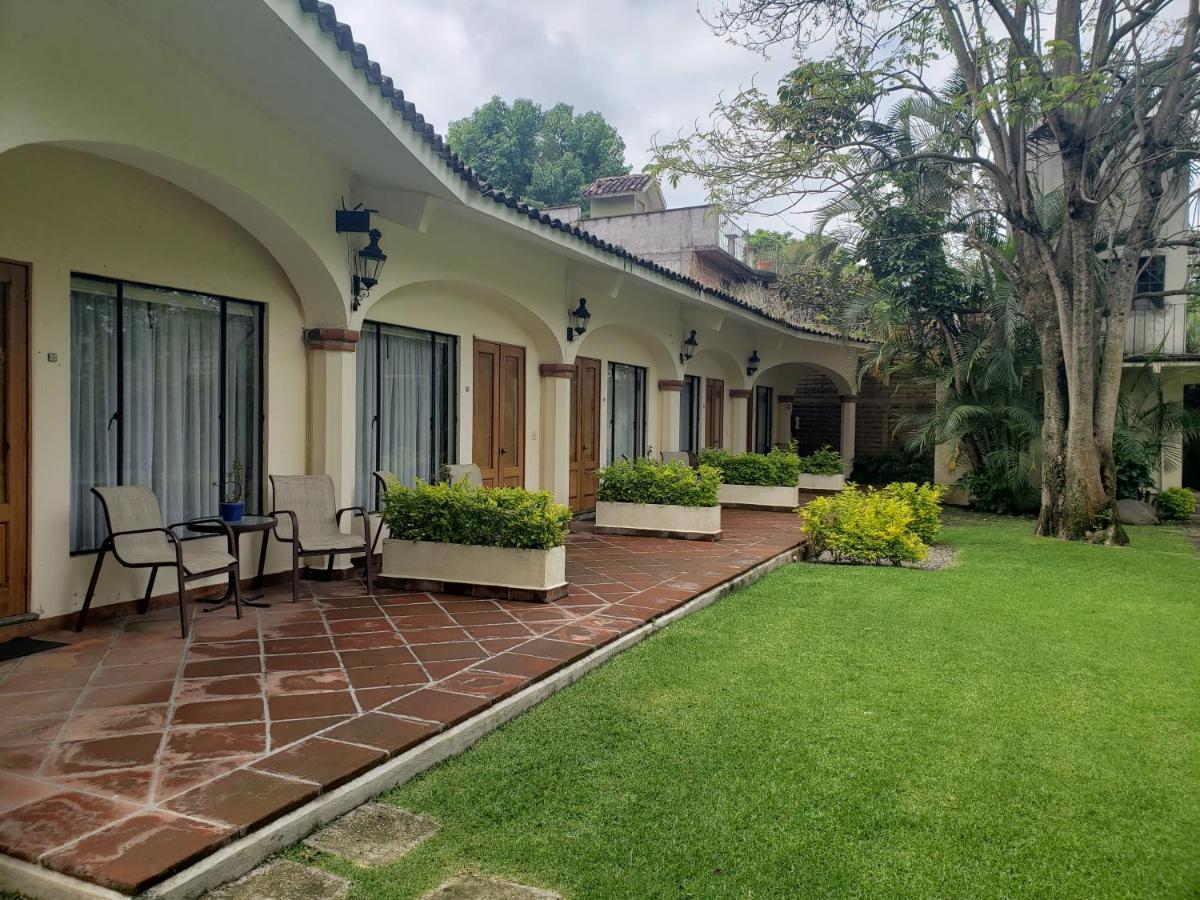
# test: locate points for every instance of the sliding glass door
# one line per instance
(689, 414)
(626, 411)
(764, 417)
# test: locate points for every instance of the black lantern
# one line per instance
(752, 363)
(366, 263)
(689, 347)
(577, 320)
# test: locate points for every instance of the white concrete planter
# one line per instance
(697, 523)
(755, 496)
(809, 482)
(476, 571)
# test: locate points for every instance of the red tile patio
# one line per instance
(131, 753)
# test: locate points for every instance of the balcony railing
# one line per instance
(1167, 331)
(733, 239)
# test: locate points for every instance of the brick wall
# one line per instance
(817, 414)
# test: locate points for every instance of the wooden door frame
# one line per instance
(498, 350)
(708, 412)
(523, 357)
(20, 366)
(575, 464)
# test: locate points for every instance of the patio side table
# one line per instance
(246, 525)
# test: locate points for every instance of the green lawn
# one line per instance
(1026, 723)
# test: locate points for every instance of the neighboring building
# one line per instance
(178, 299)
(700, 242)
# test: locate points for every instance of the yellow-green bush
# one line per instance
(925, 501)
(1175, 503)
(863, 527)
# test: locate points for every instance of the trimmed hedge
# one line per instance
(485, 517)
(825, 461)
(1175, 503)
(668, 484)
(778, 467)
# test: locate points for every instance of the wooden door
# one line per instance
(499, 413)
(14, 437)
(714, 412)
(585, 434)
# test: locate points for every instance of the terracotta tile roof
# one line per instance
(344, 38)
(617, 184)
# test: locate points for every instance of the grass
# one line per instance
(1026, 723)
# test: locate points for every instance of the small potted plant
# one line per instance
(233, 506)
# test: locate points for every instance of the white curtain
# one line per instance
(626, 388)
(406, 399)
(170, 350)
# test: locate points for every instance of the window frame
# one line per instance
(224, 299)
(695, 384)
(452, 400)
(640, 409)
(1151, 279)
(762, 391)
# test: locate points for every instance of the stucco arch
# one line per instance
(405, 297)
(784, 376)
(718, 363)
(317, 285)
(647, 347)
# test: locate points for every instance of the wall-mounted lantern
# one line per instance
(366, 262)
(689, 347)
(577, 320)
(752, 362)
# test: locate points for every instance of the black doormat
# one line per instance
(25, 646)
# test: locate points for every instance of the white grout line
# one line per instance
(238, 857)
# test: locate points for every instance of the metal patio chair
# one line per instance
(307, 518)
(138, 539)
(384, 481)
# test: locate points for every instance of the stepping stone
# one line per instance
(283, 880)
(471, 887)
(373, 835)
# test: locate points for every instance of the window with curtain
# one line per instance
(764, 417)
(166, 391)
(626, 411)
(407, 405)
(689, 414)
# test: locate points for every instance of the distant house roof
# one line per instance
(344, 39)
(617, 184)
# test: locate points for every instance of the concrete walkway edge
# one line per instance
(243, 854)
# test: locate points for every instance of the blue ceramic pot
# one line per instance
(232, 512)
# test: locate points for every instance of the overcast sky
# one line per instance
(649, 67)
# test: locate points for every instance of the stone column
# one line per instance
(739, 415)
(668, 414)
(333, 414)
(782, 432)
(849, 411)
(556, 429)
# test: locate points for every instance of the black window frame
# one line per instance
(640, 411)
(451, 361)
(119, 416)
(763, 393)
(1151, 279)
(692, 383)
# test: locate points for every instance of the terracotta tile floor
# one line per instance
(131, 753)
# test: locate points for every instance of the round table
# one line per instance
(245, 525)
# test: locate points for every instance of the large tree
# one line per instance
(1071, 124)
(544, 157)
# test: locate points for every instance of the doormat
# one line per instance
(25, 646)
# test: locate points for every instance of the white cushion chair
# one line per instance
(677, 456)
(306, 516)
(468, 471)
(138, 539)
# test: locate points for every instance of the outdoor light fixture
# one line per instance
(366, 263)
(577, 320)
(689, 347)
(752, 363)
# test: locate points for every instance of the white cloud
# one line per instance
(648, 67)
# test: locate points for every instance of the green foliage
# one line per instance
(544, 157)
(487, 517)
(888, 467)
(925, 502)
(825, 461)
(863, 527)
(1135, 469)
(1175, 503)
(668, 484)
(993, 489)
(776, 468)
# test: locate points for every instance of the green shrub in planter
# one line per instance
(1175, 503)
(485, 517)
(776, 468)
(925, 501)
(862, 527)
(825, 461)
(669, 484)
